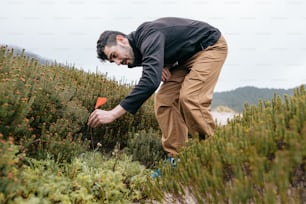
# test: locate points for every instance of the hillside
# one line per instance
(49, 155)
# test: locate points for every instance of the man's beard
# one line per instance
(130, 54)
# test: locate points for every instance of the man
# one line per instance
(187, 55)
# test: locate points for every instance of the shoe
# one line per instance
(156, 174)
(171, 160)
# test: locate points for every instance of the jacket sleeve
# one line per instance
(152, 50)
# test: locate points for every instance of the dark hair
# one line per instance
(107, 38)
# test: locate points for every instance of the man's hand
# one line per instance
(99, 117)
(166, 74)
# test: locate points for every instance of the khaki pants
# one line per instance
(182, 104)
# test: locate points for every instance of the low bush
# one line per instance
(10, 164)
(145, 147)
(46, 108)
(88, 178)
(259, 157)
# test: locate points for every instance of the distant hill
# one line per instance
(237, 98)
(19, 50)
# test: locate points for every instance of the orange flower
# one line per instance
(10, 175)
(11, 140)
(24, 99)
(100, 102)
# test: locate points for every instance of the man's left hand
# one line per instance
(166, 74)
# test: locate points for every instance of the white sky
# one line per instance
(267, 38)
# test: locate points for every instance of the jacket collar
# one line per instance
(136, 51)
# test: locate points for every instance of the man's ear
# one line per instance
(122, 39)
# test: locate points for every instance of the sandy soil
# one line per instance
(222, 117)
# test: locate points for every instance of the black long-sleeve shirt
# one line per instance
(160, 43)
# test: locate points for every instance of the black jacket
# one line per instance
(161, 43)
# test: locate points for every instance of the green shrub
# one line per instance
(146, 147)
(89, 178)
(46, 107)
(257, 158)
(10, 164)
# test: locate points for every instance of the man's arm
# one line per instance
(99, 117)
(152, 50)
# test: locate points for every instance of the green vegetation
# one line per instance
(44, 136)
(88, 178)
(49, 155)
(259, 157)
(46, 108)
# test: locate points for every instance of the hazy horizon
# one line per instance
(267, 39)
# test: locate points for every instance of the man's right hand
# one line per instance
(99, 117)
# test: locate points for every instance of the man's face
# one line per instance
(122, 53)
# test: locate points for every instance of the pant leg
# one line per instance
(198, 86)
(168, 115)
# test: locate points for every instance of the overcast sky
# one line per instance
(266, 38)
